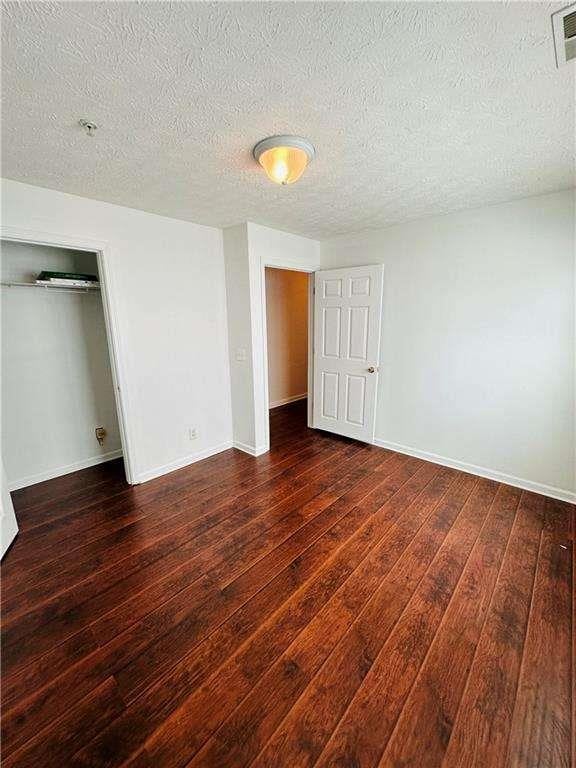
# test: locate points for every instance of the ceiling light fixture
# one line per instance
(284, 158)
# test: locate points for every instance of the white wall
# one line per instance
(168, 290)
(56, 379)
(478, 336)
(249, 248)
(240, 336)
(287, 332)
(270, 247)
(8, 524)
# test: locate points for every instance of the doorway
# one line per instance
(287, 339)
(60, 409)
(344, 323)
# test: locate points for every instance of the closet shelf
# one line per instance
(61, 288)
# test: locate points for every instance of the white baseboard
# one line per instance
(473, 469)
(192, 458)
(286, 400)
(24, 482)
(251, 449)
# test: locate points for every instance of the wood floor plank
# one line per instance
(149, 542)
(33, 711)
(81, 498)
(327, 603)
(228, 559)
(363, 731)
(80, 518)
(197, 621)
(32, 679)
(241, 737)
(168, 746)
(113, 654)
(149, 710)
(164, 491)
(430, 710)
(75, 531)
(228, 464)
(540, 728)
(60, 486)
(52, 750)
(481, 729)
(344, 504)
(63, 613)
(303, 736)
(46, 578)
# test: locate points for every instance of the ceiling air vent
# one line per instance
(564, 26)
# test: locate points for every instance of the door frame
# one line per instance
(103, 254)
(292, 266)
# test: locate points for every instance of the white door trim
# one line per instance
(109, 302)
(309, 270)
(262, 405)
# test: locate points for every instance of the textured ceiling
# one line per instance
(414, 108)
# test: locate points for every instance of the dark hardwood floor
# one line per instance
(327, 604)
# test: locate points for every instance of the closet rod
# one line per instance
(60, 288)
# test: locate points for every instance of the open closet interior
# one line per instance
(58, 407)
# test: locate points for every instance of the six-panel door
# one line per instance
(347, 312)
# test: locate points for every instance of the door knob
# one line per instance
(371, 369)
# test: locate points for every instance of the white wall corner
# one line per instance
(40, 477)
(287, 400)
(251, 449)
(473, 469)
(185, 461)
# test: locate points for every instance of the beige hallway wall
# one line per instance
(287, 326)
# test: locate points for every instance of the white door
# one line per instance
(347, 312)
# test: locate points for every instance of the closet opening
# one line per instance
(59, 405)
(287, 334)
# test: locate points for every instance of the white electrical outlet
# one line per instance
(192, 433)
